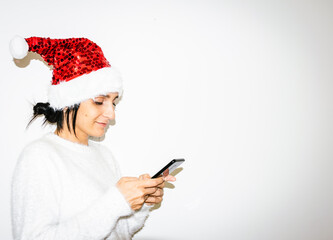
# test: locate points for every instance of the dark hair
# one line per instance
(56, 116)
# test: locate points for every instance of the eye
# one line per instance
(115, 102)
(98, 100)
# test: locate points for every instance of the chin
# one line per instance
(97, 134)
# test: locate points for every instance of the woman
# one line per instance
(64, 185)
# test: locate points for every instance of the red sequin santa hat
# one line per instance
(80, 70)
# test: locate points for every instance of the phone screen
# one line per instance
(169, 168)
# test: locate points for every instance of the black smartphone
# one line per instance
(169, 168)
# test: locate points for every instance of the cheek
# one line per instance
(83, 119)
(87, 115)
(88, 118)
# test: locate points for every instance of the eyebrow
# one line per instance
(107, 96)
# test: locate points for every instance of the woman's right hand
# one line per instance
(135, 190)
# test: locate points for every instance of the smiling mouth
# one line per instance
(102, 124)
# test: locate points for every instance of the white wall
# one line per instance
(241, 89)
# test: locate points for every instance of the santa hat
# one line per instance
(80, 70)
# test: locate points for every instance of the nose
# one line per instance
(109, 112)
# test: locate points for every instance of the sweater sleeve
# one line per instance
(35, 205)
(135, 221)
(138, 219)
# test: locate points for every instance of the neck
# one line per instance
(79, 138)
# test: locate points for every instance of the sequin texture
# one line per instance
(70, 57)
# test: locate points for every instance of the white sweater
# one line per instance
(63, 190)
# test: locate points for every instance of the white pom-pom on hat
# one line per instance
(18, 47)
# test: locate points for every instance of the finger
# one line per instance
(147, 176)
(170, 178)
(149, 191)
(154, 200)
(147, 183)
(159, 193)
(144, 176)
(161, 185)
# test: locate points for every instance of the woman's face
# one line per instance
(94, 115)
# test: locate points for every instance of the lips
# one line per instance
(102, 124)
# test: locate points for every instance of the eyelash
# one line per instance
(100, 103)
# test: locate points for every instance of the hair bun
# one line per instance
(41, 108)
(45, 109)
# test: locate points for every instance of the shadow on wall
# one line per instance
(168, 185)
(24, 62)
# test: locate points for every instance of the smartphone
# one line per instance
(169, 168)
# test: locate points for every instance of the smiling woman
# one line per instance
(66, 186)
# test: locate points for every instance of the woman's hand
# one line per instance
(157, 196)
(135, 190)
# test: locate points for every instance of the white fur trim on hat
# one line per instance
(18, 47)
(84, 87)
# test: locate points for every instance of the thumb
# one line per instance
(144, 176)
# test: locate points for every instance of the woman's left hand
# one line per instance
(157, 196)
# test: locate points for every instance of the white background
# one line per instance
(241, 89)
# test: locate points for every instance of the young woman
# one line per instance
(64, 185)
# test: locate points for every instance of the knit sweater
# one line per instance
(64, 190)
